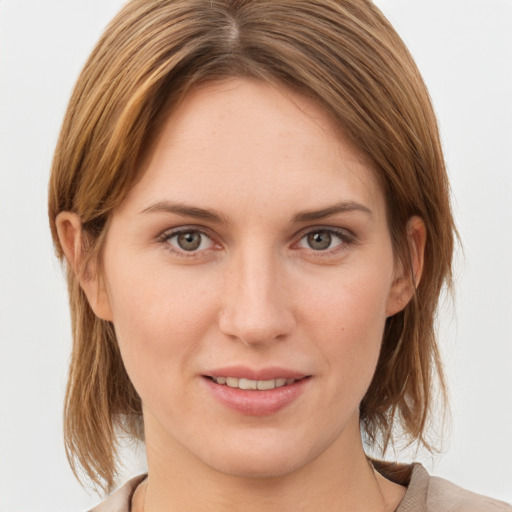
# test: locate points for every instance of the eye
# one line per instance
(323, 240)
(190, 240)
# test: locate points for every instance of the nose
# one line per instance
(257, 304)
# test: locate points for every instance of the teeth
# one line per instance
(232, 382)
(261, 385)
(247, 384)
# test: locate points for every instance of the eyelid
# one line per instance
(166, 235)
(346, 237)
(343, 233)
(169, 232)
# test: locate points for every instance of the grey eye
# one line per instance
(189, 241)
(319, 240)
(322, 239)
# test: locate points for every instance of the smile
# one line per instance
(261, 385)
(257, 396)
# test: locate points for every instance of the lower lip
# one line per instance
(254, 402)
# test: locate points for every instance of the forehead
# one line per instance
(256, 140)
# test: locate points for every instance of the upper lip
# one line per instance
(243, 372)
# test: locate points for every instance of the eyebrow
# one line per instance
(342, 207)
(186, 210)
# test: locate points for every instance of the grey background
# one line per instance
(463, 48)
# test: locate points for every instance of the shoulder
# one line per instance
(120, 500)
(444, 495)
(427, 493)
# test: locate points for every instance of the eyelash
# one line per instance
(345, 237)
(166, 236)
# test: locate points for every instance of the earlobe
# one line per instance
(69, 229)
(408, 278)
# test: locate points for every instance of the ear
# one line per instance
(69, 230)
(408, 278)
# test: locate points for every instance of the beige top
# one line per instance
(425, 493)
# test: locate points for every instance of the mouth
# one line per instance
(266, 393)
(256, 385)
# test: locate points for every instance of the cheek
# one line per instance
(160, 316)
(353, 300)
(346, 320)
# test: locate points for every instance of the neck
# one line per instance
(341, 478)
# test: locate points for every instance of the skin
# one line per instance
(255, 293)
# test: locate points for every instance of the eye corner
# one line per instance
(187, 241)
(331, 241)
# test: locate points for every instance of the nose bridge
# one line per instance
(257, 308)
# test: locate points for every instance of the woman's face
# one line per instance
(254, 252)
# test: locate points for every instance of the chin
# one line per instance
(264, 459)
(257, 467)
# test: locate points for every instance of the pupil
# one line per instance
(189, 241)
(320, 240)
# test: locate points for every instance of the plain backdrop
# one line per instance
(464, 50)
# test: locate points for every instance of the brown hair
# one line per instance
(342, 53)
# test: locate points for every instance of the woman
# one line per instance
(252, 201)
